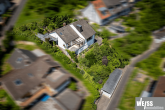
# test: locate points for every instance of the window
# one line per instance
(89, 39)
(125, 4)
(18, 82)
(19, 60)
(53, 69)
(103, 12)
(61, 33)
(30, 75)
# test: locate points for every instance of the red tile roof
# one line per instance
(99, 4)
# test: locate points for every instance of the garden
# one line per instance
(149, 18)
(92, 63)
(37, 10)
(153, 62)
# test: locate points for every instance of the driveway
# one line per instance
(12, 20)
(113, 103)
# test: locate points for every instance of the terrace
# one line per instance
(76, 44)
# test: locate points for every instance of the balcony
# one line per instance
(76, 44)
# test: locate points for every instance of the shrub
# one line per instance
(72, 86)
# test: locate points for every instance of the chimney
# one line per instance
(64, 24)
(79, 28)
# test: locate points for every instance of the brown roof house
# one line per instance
(66, 100)
(21, 58)
(42, 76)
(76, 36)
(104, 11)
(159, 90)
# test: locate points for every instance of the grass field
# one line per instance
(25, 18)
(26, 47)
(133, 89)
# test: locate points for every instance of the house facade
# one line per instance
(111, 83)
(104, 11)
(76, 36)
(26, 85)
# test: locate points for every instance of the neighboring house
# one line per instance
(159, 35)
(67, 100)
(76, 36)
(155, 89)
(159, 90)
(117, 29)
(21, 58)
(4, 5)
(28, 84)
(104, 11)
(111, 83)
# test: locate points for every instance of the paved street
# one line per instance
(120, 89)
(12, 20)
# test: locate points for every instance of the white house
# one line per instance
(111, 83)
(76, 36)
(104, 11)
(4, 4)
(159, 35)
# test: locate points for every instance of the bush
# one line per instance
(73, 55)
(72, 86)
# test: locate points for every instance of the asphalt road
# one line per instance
(12, 20)
(113, 104)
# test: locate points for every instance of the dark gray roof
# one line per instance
(50, 104)
(67, 34)
(69, 99)
(110, 3)
(112, 81)
(28, 53)
(25, 55)
(87, 29)
(38, 69)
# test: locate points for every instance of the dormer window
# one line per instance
(79, 27)
(103, 10)
(19, 60)
(18, 82)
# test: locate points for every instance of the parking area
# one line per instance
(103, 103)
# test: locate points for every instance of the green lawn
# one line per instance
(25, 19)
(133, 89)
(6, 66)
(152, 64)
(27, 47)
